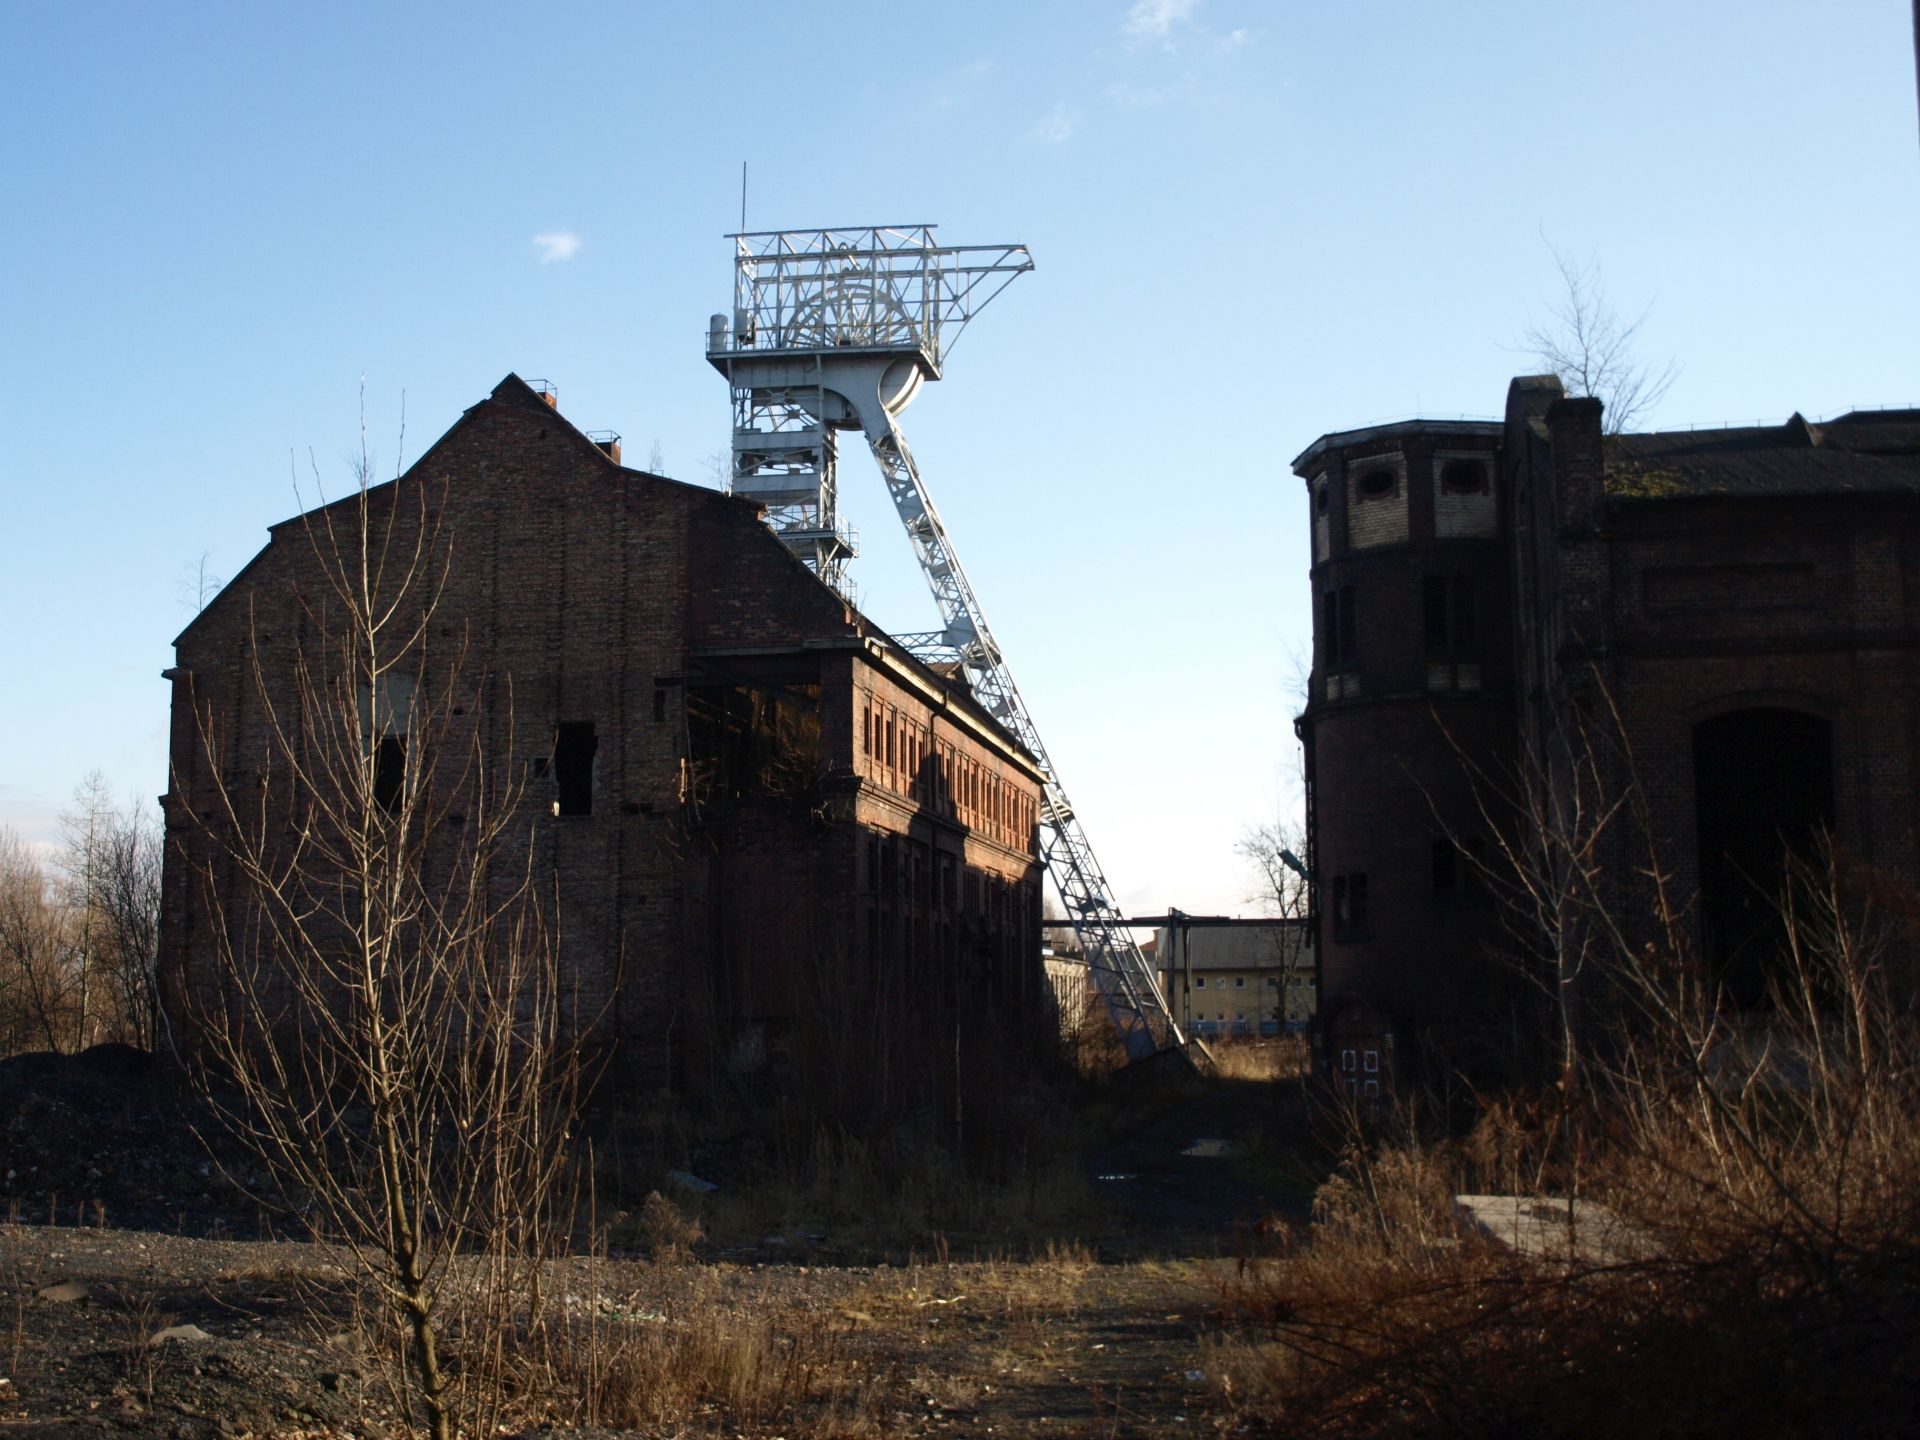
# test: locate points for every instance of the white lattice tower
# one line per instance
(837, 330)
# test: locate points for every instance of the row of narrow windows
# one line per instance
(911, 870)
(1459, 870)
(923, 903)
(909, 761)
(1449, 620)
(893, 936)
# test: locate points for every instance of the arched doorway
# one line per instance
(1763, 788)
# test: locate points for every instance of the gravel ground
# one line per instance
(138, 1334)
(153, 1233)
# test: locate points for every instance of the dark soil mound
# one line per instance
(113, 1136)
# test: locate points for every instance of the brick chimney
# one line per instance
(1579, 463)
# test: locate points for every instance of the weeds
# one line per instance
(143, 1319)
(17, 1285)
(1767, 1166)
(681, 1349)
(1269, 1060)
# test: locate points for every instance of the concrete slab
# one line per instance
(1554, 1227)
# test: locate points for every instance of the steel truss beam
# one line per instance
(1125, 981)
(837, 329)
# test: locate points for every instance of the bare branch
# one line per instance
(377, 1000)
(1594, 351)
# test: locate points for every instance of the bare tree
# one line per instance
(378, 1008)
(1594, 351)
(1285, 891)
(1274, 851)
(1557, 823)
(124, 899)
(79, 931)
(200, 584)
(38, 1001)
(82, 857)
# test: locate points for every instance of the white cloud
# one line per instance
(1053, 128)
(1152, 19)
(957, 83)
(556, 245)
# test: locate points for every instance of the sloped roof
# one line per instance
(1861, 452)
(1246, 945)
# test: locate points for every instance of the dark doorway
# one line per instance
(1763, 788)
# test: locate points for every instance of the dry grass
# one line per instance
(703, 1362)
(1284, 1058)
(1770, 1171)
(686, 1345)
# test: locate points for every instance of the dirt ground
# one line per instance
(1049, 1347)
(130, 1327)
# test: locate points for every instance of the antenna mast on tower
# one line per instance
(836, 330)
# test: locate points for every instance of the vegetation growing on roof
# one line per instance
(1631, 480)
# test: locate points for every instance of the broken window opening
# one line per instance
(389, 772)
(750, 740)
(1378, 484)
(574, 746)
(1349, 905)
(386, 712)
(1463, 477)
(1344, 627)
(1450, 620)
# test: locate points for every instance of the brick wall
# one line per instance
(570, 592)
(1376, 496)
(1398, 724)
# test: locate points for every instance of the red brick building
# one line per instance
(1744, 599)
(778, 846)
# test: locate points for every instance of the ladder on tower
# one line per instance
(836, 330)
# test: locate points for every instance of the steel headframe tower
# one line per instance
(837, 330)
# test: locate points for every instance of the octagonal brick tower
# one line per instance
(1411, 693)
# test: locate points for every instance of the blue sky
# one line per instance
(1252, 223)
